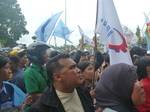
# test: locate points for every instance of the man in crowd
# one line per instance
(35, 75)
(64, 94)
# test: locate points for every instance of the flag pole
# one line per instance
(55, 41)
(82, 43)
(65, 18)
(95, 35)
(95, 48)
(50, 40)
(144, 22)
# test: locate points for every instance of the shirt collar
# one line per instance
(3, 89)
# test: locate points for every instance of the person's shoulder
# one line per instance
(9, 87)
(41, 104)
(82, 89)
(30, 70)
(82, 92)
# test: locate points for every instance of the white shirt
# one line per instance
(70, 101)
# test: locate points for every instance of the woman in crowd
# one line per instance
(11, 97)
(143, 71)
(87, 69)
(119, 89)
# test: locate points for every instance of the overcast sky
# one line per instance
(80, 12)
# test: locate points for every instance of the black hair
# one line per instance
(3, 61)
(85, 53)
(14, 61)
(77, 55)
(141, 64)
(35, 52)
(106, 57)
(53, 53)
(83, 65)
(53, 64)
(98, 59)
(137, 51)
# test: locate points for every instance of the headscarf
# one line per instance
(115, 86)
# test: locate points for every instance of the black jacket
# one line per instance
(49, 102)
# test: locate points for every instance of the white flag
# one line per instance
(86, 39)
(110, 30)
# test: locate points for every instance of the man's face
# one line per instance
(45, 56)
(70, 74)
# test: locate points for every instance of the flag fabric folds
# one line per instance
(110, 30)
(47, 28)
(86, 39)
(62, 31)
(147, 32)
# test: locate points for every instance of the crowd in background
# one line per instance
(39, 79)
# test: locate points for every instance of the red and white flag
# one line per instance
(110, 30)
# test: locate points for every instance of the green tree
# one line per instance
(138, 34)
(141, 40)
(12, 22)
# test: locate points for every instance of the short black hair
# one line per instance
(84, 64)
(76, 56)
(98, 59)
(135, 50)
(3, 61)
(141, 64)
(53, 64)
(53, 54)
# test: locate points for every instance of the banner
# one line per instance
(109, 28)
(47, 28)
(62, 31)
(147, 31)
(86, 39)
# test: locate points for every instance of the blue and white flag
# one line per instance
(110, 30)
(62, 31)
(86, 39)
(47, 28)
(147, 31)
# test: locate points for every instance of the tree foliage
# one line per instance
(12, 22)
(138, 34)
(141, 40)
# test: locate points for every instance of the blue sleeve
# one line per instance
(19, 95)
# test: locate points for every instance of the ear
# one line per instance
(57, 77)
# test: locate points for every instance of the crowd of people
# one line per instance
(39, 79)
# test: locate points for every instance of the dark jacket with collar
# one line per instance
(49, 102)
